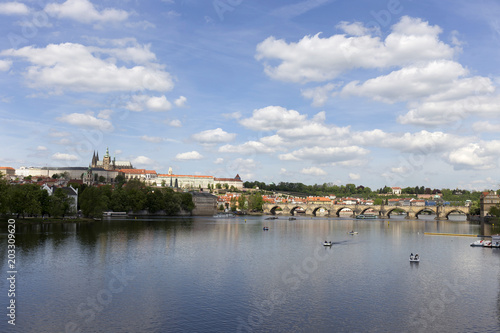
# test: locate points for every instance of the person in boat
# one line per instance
(416, 256)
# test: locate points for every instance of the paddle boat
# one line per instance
(327, 243)
(352, 232)
(366, 216)
(265, 228)
(477, 243)
(414, 258)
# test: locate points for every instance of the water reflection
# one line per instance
(212, 275)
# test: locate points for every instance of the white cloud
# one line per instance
(5, 65)
(41, 148)
(272, 118)
(85, 12)
(234, 115)
(158, 104)
(250, 147)
(64, 157)
(56, 134)
(354, 176)
(217, 135)
(219, 160)
(472, 156)
(326, 155)
(154, 139)
(192, 155)
(485, 126)
(75, 67)
(13, 8)
(139, 102)
(320, 59)
(87, 120)
(174, 123)
(319, 95)
(313, 171)
(180, 102)
(142, 160)
(105, 114)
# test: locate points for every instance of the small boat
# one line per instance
(272, 218)
(414, 258)
(487, 244)
(352, 232)
(366, 216)
(477, 243)
(325, 243)
(291, 219)
(265, 228)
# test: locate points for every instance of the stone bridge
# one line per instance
(382, 211)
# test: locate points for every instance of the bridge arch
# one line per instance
(315, 210)
(294, 208)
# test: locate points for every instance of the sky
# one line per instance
(375, 93)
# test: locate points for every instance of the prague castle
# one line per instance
(108, 169)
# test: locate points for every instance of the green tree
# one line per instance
(119, 201)
(4, 195)
(154, 201)
(59, 203)
(24, 200)
(102, 179)
(93, 202)
(242, 202)
(187, 201)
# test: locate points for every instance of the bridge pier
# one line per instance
(411, 216)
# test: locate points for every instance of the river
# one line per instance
(229, 275)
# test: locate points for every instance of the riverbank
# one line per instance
(39, 220)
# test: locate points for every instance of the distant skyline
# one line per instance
(397, 93)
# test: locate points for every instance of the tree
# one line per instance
(55, 176)
(102, 179)
(120, 179)
(187, 201)
(4, 195)
(218, 186)
(154, 201)
(233, 204)
(255, 202)
(93, 202)
(119, 201)
(242, 200)
(59, 203)
(24, 199)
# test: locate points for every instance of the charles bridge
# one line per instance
(382, 211)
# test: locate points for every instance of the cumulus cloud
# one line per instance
(5, 65)
(272, 118)
(64, 157)
(313, 171)
(214, 136)
(140, 102)
(174, 123)
(326, 155)
(318, 59)
(354, 176)
(86, 120)
(192, 155)
(319, 95)
(219, 160)
(13, 8)
(142, 160)
(250, 147)
(85, 12)
(180, 102)
(41, 148)
(76, 67)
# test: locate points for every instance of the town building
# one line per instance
(7, 172)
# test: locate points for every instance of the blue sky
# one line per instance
(397, 93)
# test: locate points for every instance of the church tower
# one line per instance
(106, 161)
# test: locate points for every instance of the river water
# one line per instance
(229, 275)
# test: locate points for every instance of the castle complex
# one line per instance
(108, 164)
(107, 169)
